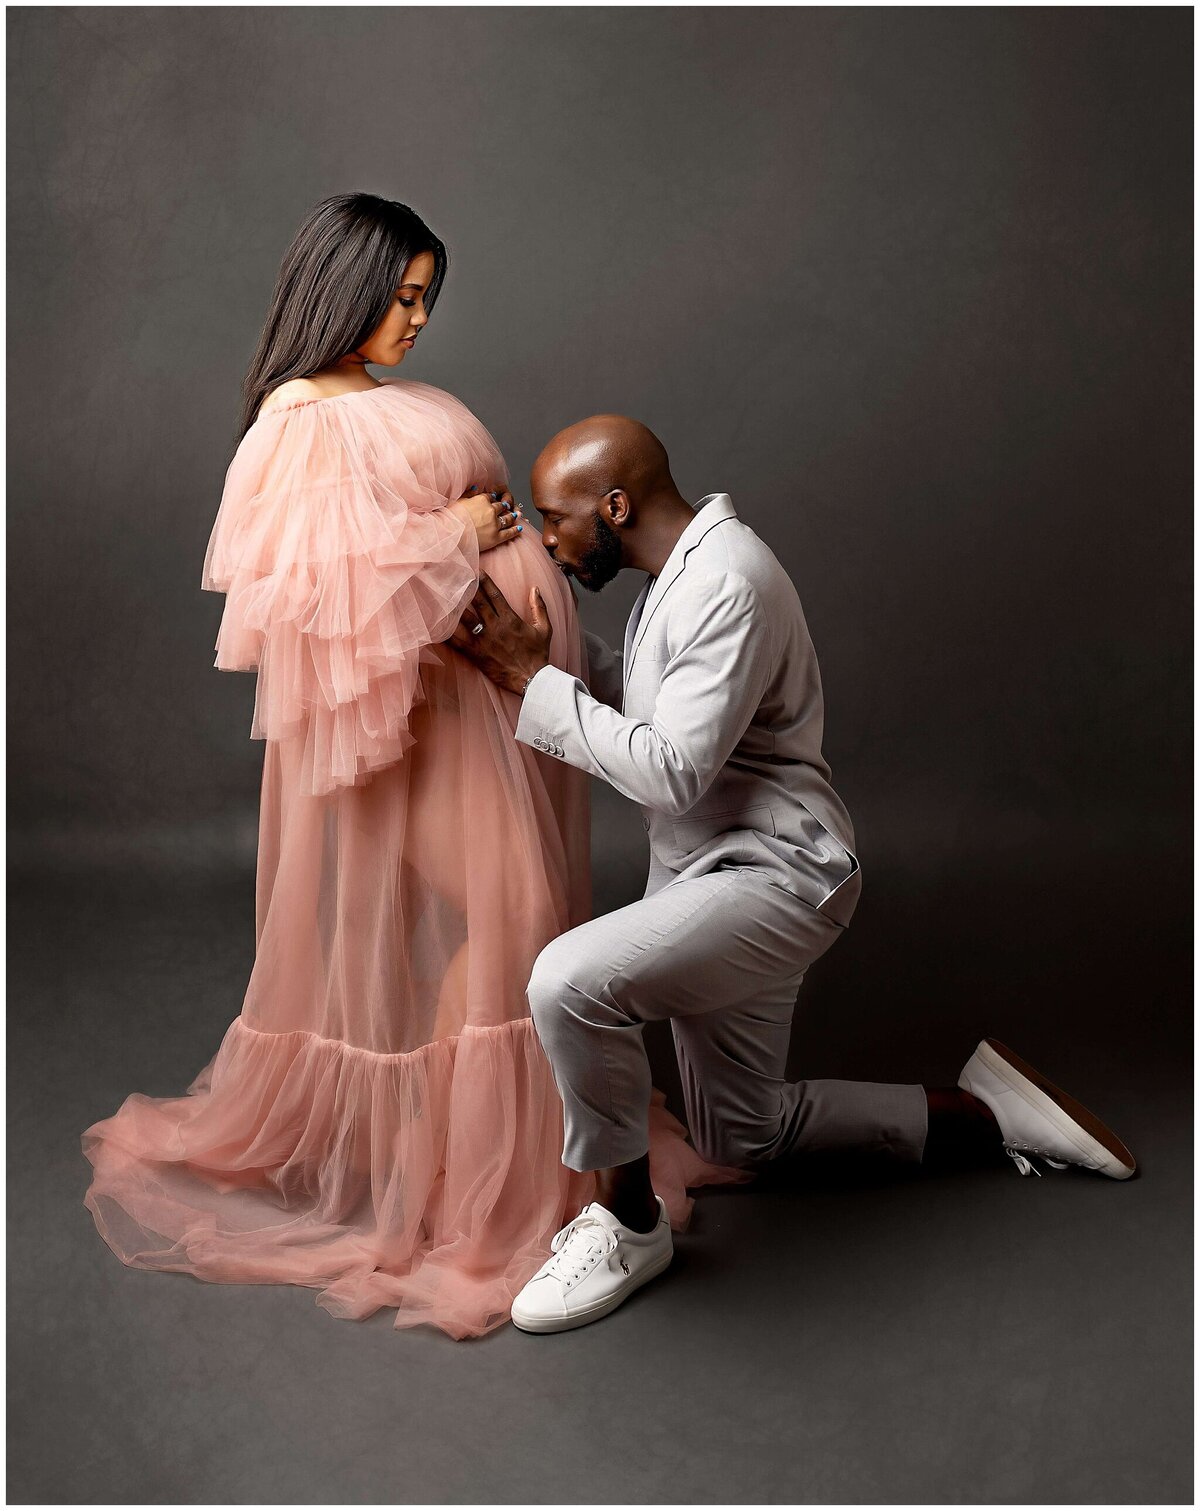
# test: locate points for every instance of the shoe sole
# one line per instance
(592, 1313)
(1072, 1119)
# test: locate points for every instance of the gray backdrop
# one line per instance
(914, 287)
(911, 286)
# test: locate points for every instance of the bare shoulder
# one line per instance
(294, 388)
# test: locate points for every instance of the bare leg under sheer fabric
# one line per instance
(379, 1121)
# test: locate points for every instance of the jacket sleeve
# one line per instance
(718, 670)
(605, 671)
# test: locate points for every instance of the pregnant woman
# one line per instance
(379, 1120)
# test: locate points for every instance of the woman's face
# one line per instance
(396, 332)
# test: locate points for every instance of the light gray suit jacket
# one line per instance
(712, 718)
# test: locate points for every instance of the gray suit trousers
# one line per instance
(721, 953)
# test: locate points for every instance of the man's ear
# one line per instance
(616, 507)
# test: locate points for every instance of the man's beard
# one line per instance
(601, 561)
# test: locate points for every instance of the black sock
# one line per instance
(962, 1129)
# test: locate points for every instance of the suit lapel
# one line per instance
(712, 511)
(637, 609)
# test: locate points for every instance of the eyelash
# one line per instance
(407, 303)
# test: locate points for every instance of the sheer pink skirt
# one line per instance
(379, 1122)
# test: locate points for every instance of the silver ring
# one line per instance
(477, 629)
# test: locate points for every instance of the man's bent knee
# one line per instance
(559, 994)
(545, 993)
(742, 1147)
(561, 971)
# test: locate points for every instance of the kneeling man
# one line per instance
(711, 720)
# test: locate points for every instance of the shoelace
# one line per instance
(1025, 1166)
(578, 1246)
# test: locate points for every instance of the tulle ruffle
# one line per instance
(380, 1121)
(341, 566)
(430, 1181)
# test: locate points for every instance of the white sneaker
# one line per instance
(596, 1263)
(1036, 1117)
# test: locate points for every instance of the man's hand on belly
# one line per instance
(506, 648)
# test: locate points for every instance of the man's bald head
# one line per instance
(593, 457)
(604, 489)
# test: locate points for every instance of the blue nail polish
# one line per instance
(520, 527)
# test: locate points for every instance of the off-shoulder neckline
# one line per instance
(328, 398)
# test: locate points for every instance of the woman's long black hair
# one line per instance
(336, 283)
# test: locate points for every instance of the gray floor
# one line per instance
(838, 1334)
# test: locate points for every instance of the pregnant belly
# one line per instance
(522, 564)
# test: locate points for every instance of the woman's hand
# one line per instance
(495, 516)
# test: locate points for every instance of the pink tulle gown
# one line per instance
(379, 1121)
